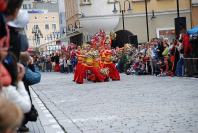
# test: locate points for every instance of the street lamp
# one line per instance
(122, 10)
(178, 9)
(147, 27)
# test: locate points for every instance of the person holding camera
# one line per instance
(16, 92)
(32, 76)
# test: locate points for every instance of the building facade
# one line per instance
(72, 11)
(27, 4)
(42, 30)
(161, 14)
(46, 25)
(194, 12)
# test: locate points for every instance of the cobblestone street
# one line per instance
(136, 104)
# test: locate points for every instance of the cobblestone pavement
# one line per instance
(136, 104)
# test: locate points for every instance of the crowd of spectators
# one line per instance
(60, 61)
(17, 69)
(160, 57)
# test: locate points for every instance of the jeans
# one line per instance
(180, 67)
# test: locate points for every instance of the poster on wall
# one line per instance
(166, 33)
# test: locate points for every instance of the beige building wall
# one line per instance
(159, 5)
(50, 18)
(194, 15)
(165, 12)
(194, 12)
(137, 24)
(135, 21)
(71, 9)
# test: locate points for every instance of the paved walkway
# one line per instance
(46, 122)
(136, 104)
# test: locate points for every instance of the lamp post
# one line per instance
(178, 8)
(122, 11)
(37, 35)
(147, 27)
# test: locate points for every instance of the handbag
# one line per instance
(32, 115)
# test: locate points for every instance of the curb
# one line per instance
(48, 121)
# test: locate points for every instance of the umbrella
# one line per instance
(194, 30)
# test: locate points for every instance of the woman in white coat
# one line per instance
(16, 92)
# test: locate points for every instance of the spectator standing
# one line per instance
(61, 64)
(180, 63)
(65, 65)
(53, 61)
(56, 59)
(32, 76)
(70, 69)
(18, 38)
(48, 64)
(188, 64)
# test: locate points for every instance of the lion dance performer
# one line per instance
(113, 72)
(95, 61)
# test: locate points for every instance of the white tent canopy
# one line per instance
(93, 24)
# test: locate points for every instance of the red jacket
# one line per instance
(5, 78)
(186, 44)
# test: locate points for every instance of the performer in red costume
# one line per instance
(79, 63)
(80, 67)
(92, 65)
(113, 72)
(95, 61)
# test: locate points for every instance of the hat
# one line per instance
(21, 21)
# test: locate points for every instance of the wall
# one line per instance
(71, 9)
(97, 8)
(160, 5)
(42, 19)
(137, 24)
(165, 11)
(194, 12)
(195, 15)
(51, 7)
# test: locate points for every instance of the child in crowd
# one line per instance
(10, 116)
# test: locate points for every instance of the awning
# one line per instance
(194, 30)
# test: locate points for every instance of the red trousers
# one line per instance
(82, 72)
(113, 72)
(57, 68)
(77, 71)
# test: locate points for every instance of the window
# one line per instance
(168, 33)
(26, 27)
(35, 26)
(47, 26)
(24, 6)
(85, 2)
(29, 6)
(54, 26)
